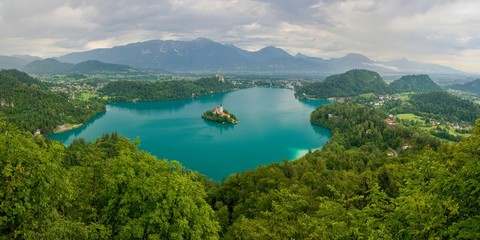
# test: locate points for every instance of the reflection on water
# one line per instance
(222, 127)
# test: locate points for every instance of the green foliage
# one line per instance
(442, 105)
(413, 83)
(164, 90)
(33, 188)
(215, 117)
(473, 86)
(26, 102)
(351, 83)
(101, 190)
(352, 190)
(357, 82)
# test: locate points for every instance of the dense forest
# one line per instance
(164, 90)
(100, 190)
(354, 190)
(413, 83)
(349, 189)
(371, 181)
(351, 83)
(439, 105)
(29, 104)
(356, 82)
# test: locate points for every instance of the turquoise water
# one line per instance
(274, 126)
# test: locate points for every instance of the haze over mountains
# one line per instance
(205, 55)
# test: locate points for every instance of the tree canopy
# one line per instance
(351, 83)
(104, 189)
(414, 83)
(164, 90)
(29, 104)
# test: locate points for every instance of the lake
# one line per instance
(274, 126)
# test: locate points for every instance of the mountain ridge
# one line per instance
(53, 66)
(206, 55)
(203, 54)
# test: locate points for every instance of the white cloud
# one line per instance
(441, 31)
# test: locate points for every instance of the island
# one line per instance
(221, 115)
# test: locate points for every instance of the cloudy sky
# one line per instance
(438, 31)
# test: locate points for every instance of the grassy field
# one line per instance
(404, 96)
(410, 116)
(367, 95)
(87, 96)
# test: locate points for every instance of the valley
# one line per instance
(369, 155)
(239, 120)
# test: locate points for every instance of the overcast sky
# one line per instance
(446, 32)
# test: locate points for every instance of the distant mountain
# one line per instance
(11, 62)
(351, 83)
(200, 54)
(27, 58)
(414, 83)
(47, 66)
(92, 66)
(473, 86)
(53, 66)
(206, 55)
(407, 66)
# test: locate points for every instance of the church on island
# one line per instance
(219, 110)
(219, 114)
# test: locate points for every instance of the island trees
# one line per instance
(220, 115)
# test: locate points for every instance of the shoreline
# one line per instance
(66, 127)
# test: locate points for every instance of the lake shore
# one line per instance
(66, 127)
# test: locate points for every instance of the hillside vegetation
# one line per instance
(356, 82)
(473, 86)
(101, 190)
(413, 83)
(29, 104)
(349, 189)
(372, 180)
(438, 105)
(351, 83)
(164, 90)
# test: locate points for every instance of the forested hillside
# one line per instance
(473, 86)
(350, 189)
(29, 104)
(106, 189)
(351, 83)
(439, 105)
(413, 83)
(356, 82)
(164, 90)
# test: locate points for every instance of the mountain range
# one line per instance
(205, 55)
